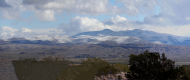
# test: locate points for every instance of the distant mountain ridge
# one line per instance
(143, 34)
(98, 37)
(80, 40)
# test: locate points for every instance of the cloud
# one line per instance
(174, 30)
(10, 14)
(13, 12)
(173, 18)
(45, 10)
(4, 4)
(79, 6)
(173, 11)
(47, 15)
(134, 7)
(118, 23)
(7, 32)
(95, 7)
(118, 19)
(91, 6)
(81, 24)
(84, 24)
(115, 20)
(30, 2)
(23, 30)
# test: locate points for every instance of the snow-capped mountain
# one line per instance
(60, 39)
(96, 37)
(82, 39)
(118, 39)
(143, 34)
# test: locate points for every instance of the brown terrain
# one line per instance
(113, 53)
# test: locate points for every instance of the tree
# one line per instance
(186, 75)
(88, 70)
(149, 65)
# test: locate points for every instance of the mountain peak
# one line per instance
(137, 30)
(143, 34)
(107, 30)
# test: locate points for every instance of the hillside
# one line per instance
(143, 34)
(103, 50)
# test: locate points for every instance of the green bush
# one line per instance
(122, 67)
(186, 75)
(47, 69)
(88, 70)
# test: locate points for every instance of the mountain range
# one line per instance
(142, 34)
(104, 44)
(100, 37)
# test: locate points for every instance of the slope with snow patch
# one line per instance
(143, 34)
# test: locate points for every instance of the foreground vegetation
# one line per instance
(50, 68)
(152, 66)
(145, 66)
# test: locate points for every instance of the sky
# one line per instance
(20, 18)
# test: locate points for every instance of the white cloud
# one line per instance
(25, 30)
(118, 19)
(10, 14)
(174, 10)
(7, 32)
(87, 24)
(175, 14)
(81, 24)
(47, 9)
(93, 7)
(174, 30)
(57, 5)
(84, 24)
(134, 7)
(14, 12)
(48, 31)
(118, 23)
(47, 15)
(187, 18)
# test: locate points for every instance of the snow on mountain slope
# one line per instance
(95, 37)
(117, 39)
(60, 39)
(146, 35)
(83, 39)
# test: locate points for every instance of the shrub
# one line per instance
(46, 69)
(149, 65)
